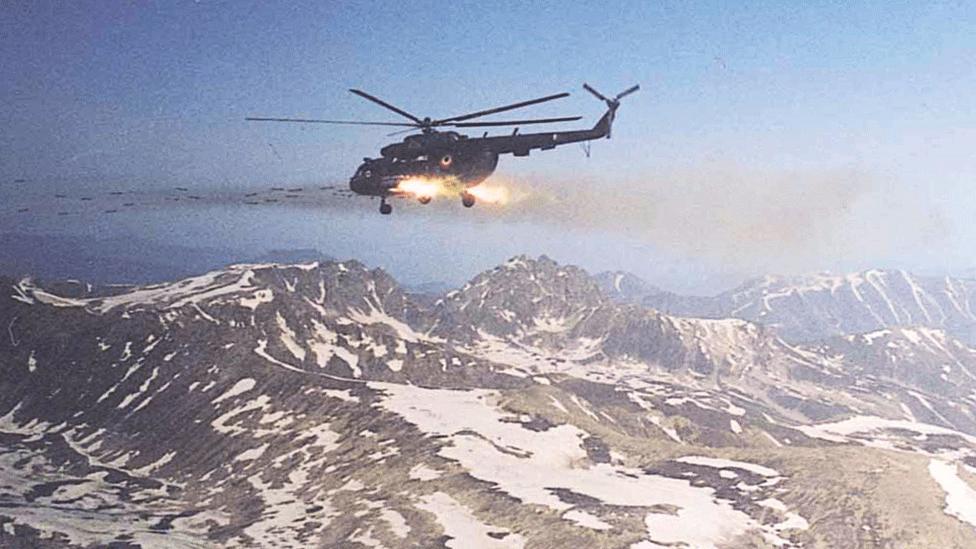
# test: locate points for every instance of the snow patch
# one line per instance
(858, 425)
(465, 529)
(252, 454)
(719, 463)
(259, 297)
(423, 473)
(528, 465)
(288, 338)
(586, 520)
(241, 387)
(960, 496)
(397, 523)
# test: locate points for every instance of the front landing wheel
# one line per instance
(385, 208)
(467, 199)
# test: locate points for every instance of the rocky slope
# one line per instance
(320, 405)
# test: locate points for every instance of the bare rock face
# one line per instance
(321, 405)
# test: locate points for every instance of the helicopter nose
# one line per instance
(356, 183)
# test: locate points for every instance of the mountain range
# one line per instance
(322, 404)
(811, 307)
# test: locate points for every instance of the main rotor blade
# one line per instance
(598, 95)
(317, 121)
(400, 132)
(514, 122)
(500, 109)
(628, 91)
(382, 103)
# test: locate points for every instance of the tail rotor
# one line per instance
(598, 95)
(627, 92)
(612, 103)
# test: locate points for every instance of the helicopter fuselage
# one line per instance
(464, 160)
(437, 155)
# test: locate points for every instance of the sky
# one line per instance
(768, 137)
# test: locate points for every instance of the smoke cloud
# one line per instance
(741, 219)
(735, 219)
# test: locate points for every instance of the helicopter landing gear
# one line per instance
(424, 199)
(467, 199)
(385, 208)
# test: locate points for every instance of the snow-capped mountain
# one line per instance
(811, 307)
(550, 309)
(321, 405)
(520, 298)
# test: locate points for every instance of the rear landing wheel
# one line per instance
(424, 199)
(467, 199)
(385, 208)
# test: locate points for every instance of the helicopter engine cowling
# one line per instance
(475, 166)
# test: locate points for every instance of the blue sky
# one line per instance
(746, 111)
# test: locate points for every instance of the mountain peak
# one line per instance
(520, 295)
(527, 262)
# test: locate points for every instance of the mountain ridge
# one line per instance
(816, 306)
(320, 404)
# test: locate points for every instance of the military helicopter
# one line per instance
(434, 155)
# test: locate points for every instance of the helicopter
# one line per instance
(406, 168)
